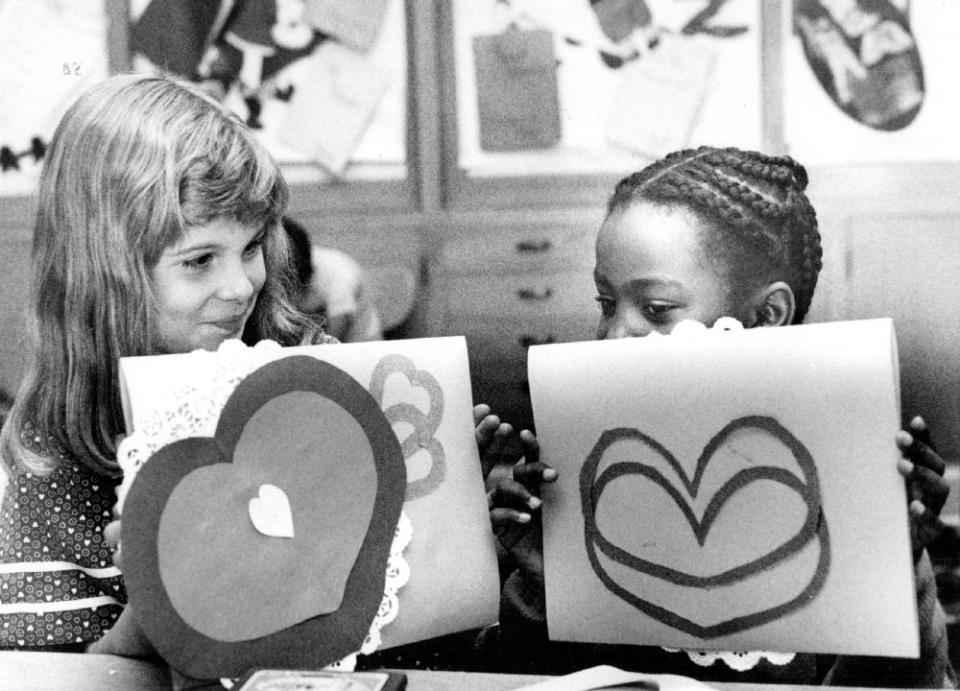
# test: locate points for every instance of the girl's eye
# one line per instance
(253, 249)
(607, 305)
(658, 311)
(198, 262)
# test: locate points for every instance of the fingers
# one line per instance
(920, 431)
(532, 475)
(925, 526)
(480, 411)
(531, 447)
(512, 501)
(111, 535)
(919, 453)
(926, 488)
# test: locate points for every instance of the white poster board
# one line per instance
(727, 491)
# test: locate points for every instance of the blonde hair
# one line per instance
(133, 163)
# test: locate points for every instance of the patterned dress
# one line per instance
(58, 584)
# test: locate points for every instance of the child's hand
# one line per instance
(927, 491)
(492, 436)
(111, 535)
(516, 496)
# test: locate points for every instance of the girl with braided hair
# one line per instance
(704, 234)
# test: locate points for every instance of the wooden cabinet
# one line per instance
(508, 281)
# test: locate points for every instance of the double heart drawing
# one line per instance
(760, 527)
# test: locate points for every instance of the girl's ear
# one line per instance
(775, 305)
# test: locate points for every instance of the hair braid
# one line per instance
(762, 225)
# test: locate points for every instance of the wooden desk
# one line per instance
(78, 672)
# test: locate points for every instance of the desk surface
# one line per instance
(79, 672)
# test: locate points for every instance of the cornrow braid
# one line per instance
(764, 227)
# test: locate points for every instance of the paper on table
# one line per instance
(423, 386)
(607, 677)
(739, 490)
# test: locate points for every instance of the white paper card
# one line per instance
(423, 387)
(727, 491)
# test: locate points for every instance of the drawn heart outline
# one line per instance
(815, 525)
(316, 641)
(424, 424)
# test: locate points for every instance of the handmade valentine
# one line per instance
(727, 490)
(292, 507)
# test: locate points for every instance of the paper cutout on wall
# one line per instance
(865, 57)
(336, 101)
(425, 382)
(734, 487)
(354, 23)
(214, 594)
(424, 424)
(658, 100)
(517, 97)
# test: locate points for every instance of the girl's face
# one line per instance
(206, 285)
(652, 272)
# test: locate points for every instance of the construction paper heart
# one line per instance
(270, 512)
(215, 594)
(420, 442)
(865, 57)
(744, 486)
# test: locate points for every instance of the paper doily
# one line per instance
(194, 410)
(737, 661)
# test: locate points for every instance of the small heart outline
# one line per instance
(424, 424)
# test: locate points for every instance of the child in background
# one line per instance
(704, 234)
(158, 231)
(333, 288)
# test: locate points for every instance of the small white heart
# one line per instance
(270, 512)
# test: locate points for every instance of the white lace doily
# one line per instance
(194, 410)
(738, 661)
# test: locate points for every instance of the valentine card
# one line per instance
(727, 490)
(291, 507)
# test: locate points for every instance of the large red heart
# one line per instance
(758, 549)
(214, 594)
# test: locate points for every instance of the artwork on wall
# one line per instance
(698, 61)
(348, 473)
(870, 81)
(50, 52)
(321, 82)
(713, 490)
(865, 58)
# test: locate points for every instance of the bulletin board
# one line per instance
(699, 62)
(322, 83)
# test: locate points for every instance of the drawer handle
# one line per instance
(527, 340)
(533, 246)
(534, 294)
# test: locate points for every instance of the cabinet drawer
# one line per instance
(521, 295)
(519, 250)
(498, 345)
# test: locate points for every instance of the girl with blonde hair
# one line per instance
(157, 231)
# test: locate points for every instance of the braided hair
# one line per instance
(763, 227)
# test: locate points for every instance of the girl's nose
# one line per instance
(238, 283)
(626, 324)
